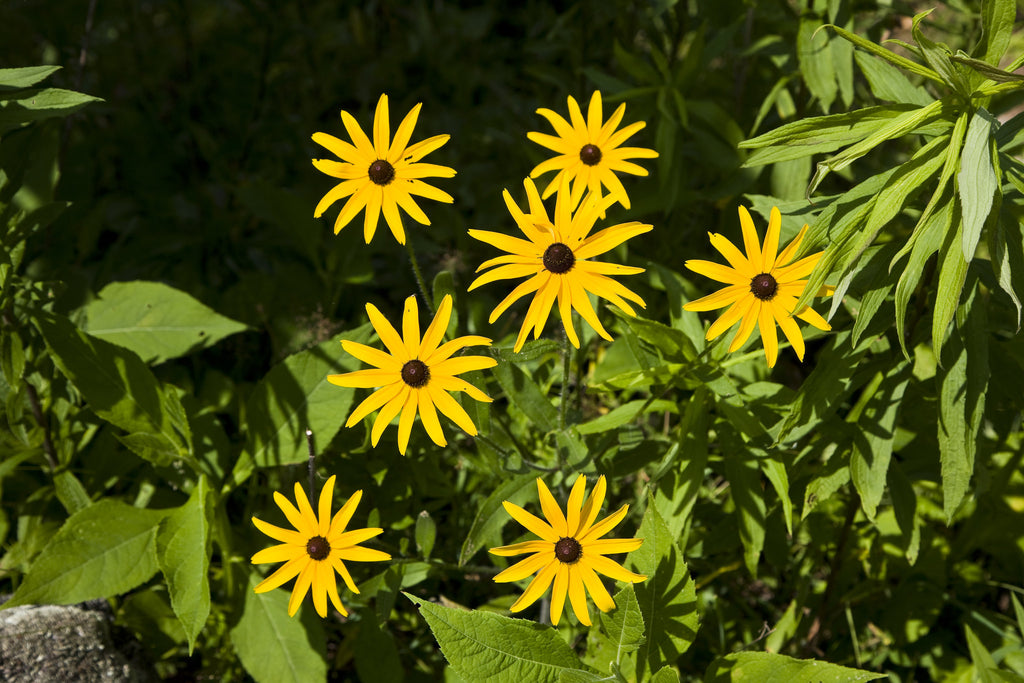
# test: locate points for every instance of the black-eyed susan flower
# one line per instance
(381, 176)
(763, 287)
(415, 375)
(571, 552)
(317, 548)
(556, 255)
(589, 152)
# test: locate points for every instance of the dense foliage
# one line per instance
(170, 311)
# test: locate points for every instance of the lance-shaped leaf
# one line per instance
(103, 550)
(483, 646)
(155, 321)
(977, 180)
(624, 625)
(887, 55)
(815, 58)
(24, 106)
(874, 436)
(888, 83)
(766, 667)
(491, 516)
(23, 77)
(997, 19)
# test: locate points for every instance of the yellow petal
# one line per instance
(408, 417)
(403, 134)
(350, 539)
(339, 566)
(359, 139)
(575, 504)
(536, 588)
(283, 574)
(302, 585)
(790, 251)
(392, 216)
(612, 569)
(460, 364)
(279, 534)
(607, 546)
(565, 310)
(604, 526)
(342, 516)
(740, 308)
(451, 384)
(332, 591)
(374, 200)
(524, 547)
(581, 302)
(596, 588)
(355, 204)
(374, 401)
(324, 506)
(371, 356)
(809, 315)
(365, 379)
(750, 242)
(552, 512)
(591, 508)
(381, 128)
(411, 327)
(579, 126)
(437, 328)
(341, 149)
(388, 334)
(747, 326)
(789, 326)
(531, 522)
(336, 193)
(322, 575)
(451, 408)
(769, 337)
(531, 565)
(719, 299)
(610, 125)
(521, 290)
(280, 553)
(733, 255)
(771, 241)
(559, 592)
(359, 554)
(577, 595)
(421, 149)
(561, 126)
(718, 272)
(609, 238)
(295, 517)
(447, 349)
(387, 413)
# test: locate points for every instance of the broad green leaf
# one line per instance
(23, 106)
(183, 553)
(765, 667)
(376, 653)
(122, 390)
(101, 551)
(155, 321)
(492, 517)
(294, 396)
(819, 134)
(873, 441)
(667, 599)
(815, 58)
(625, 414)
(524, 393)
(888, 83)
(483, 646)
(744, 477)
(25, 76)
(624, 625)
(887, 55)
(977, 181)
(666, 675)
(275, 648)
(997, 18)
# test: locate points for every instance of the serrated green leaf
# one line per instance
(815, 60)
(275, 648)
(122, 390)
(491, 516)
(765, 667)
(977, 181)
(294, 396)
(103, 550)
(483, 646)
(155, 321)
(23, 77)
(624, 625)
(667, 599)
(873, 442)
(183, 553)
(888, 83)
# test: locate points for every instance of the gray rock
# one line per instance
(68, 643)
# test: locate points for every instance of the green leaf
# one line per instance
(426, 533)
(273, 647)
(775, 471)
(122, 390)
(820, 134)
(888, 83)
(1006, 245)
(874, 436)
(938, 57)
(815, 60)
(887, 55)
(491, 516)
(625, 624)
(524, 393)
(977, 180)
(744, 477)
(103, 550)
(666, 674)
(667, 599)
(765, 667)
(962, 388)
(25, 76)
(23, 106)
(625, 414)
(997, 18)
(294, 396)
(984, 665)
(986, 70)
(183, 553)
(952, 274)
(155, 321)
(376, 653)
(70, 492)
(483, 646)
(904, 503)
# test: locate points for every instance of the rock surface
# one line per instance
(68, 643)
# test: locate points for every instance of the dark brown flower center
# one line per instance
(590, 155)
(381, 172)
(764, 286)
(415, 373)
(318, 548)
(568, 550)
(559, 258)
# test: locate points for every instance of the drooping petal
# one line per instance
(524, 547)
(407, 418)
(719, 299)
(596, 588)
(451, 408)
(769, 337)
(537, 588)
(747, 326)
(451, 384)
(392, 216)
(789, 327)
(387, 414)
(559, 591)
(322, 575)
(381, 397)
(302, 585)
(740, 308)
(577, 594)
(520, 570)
(283, 574)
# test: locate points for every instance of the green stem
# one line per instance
(419, 274)
(311, 466)
(566, 369)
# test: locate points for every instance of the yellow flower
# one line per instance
(763, 288)
(589, 152)
(556, 255)
(316, 549)
(414, 375)
(380, 176)
(569, 553)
